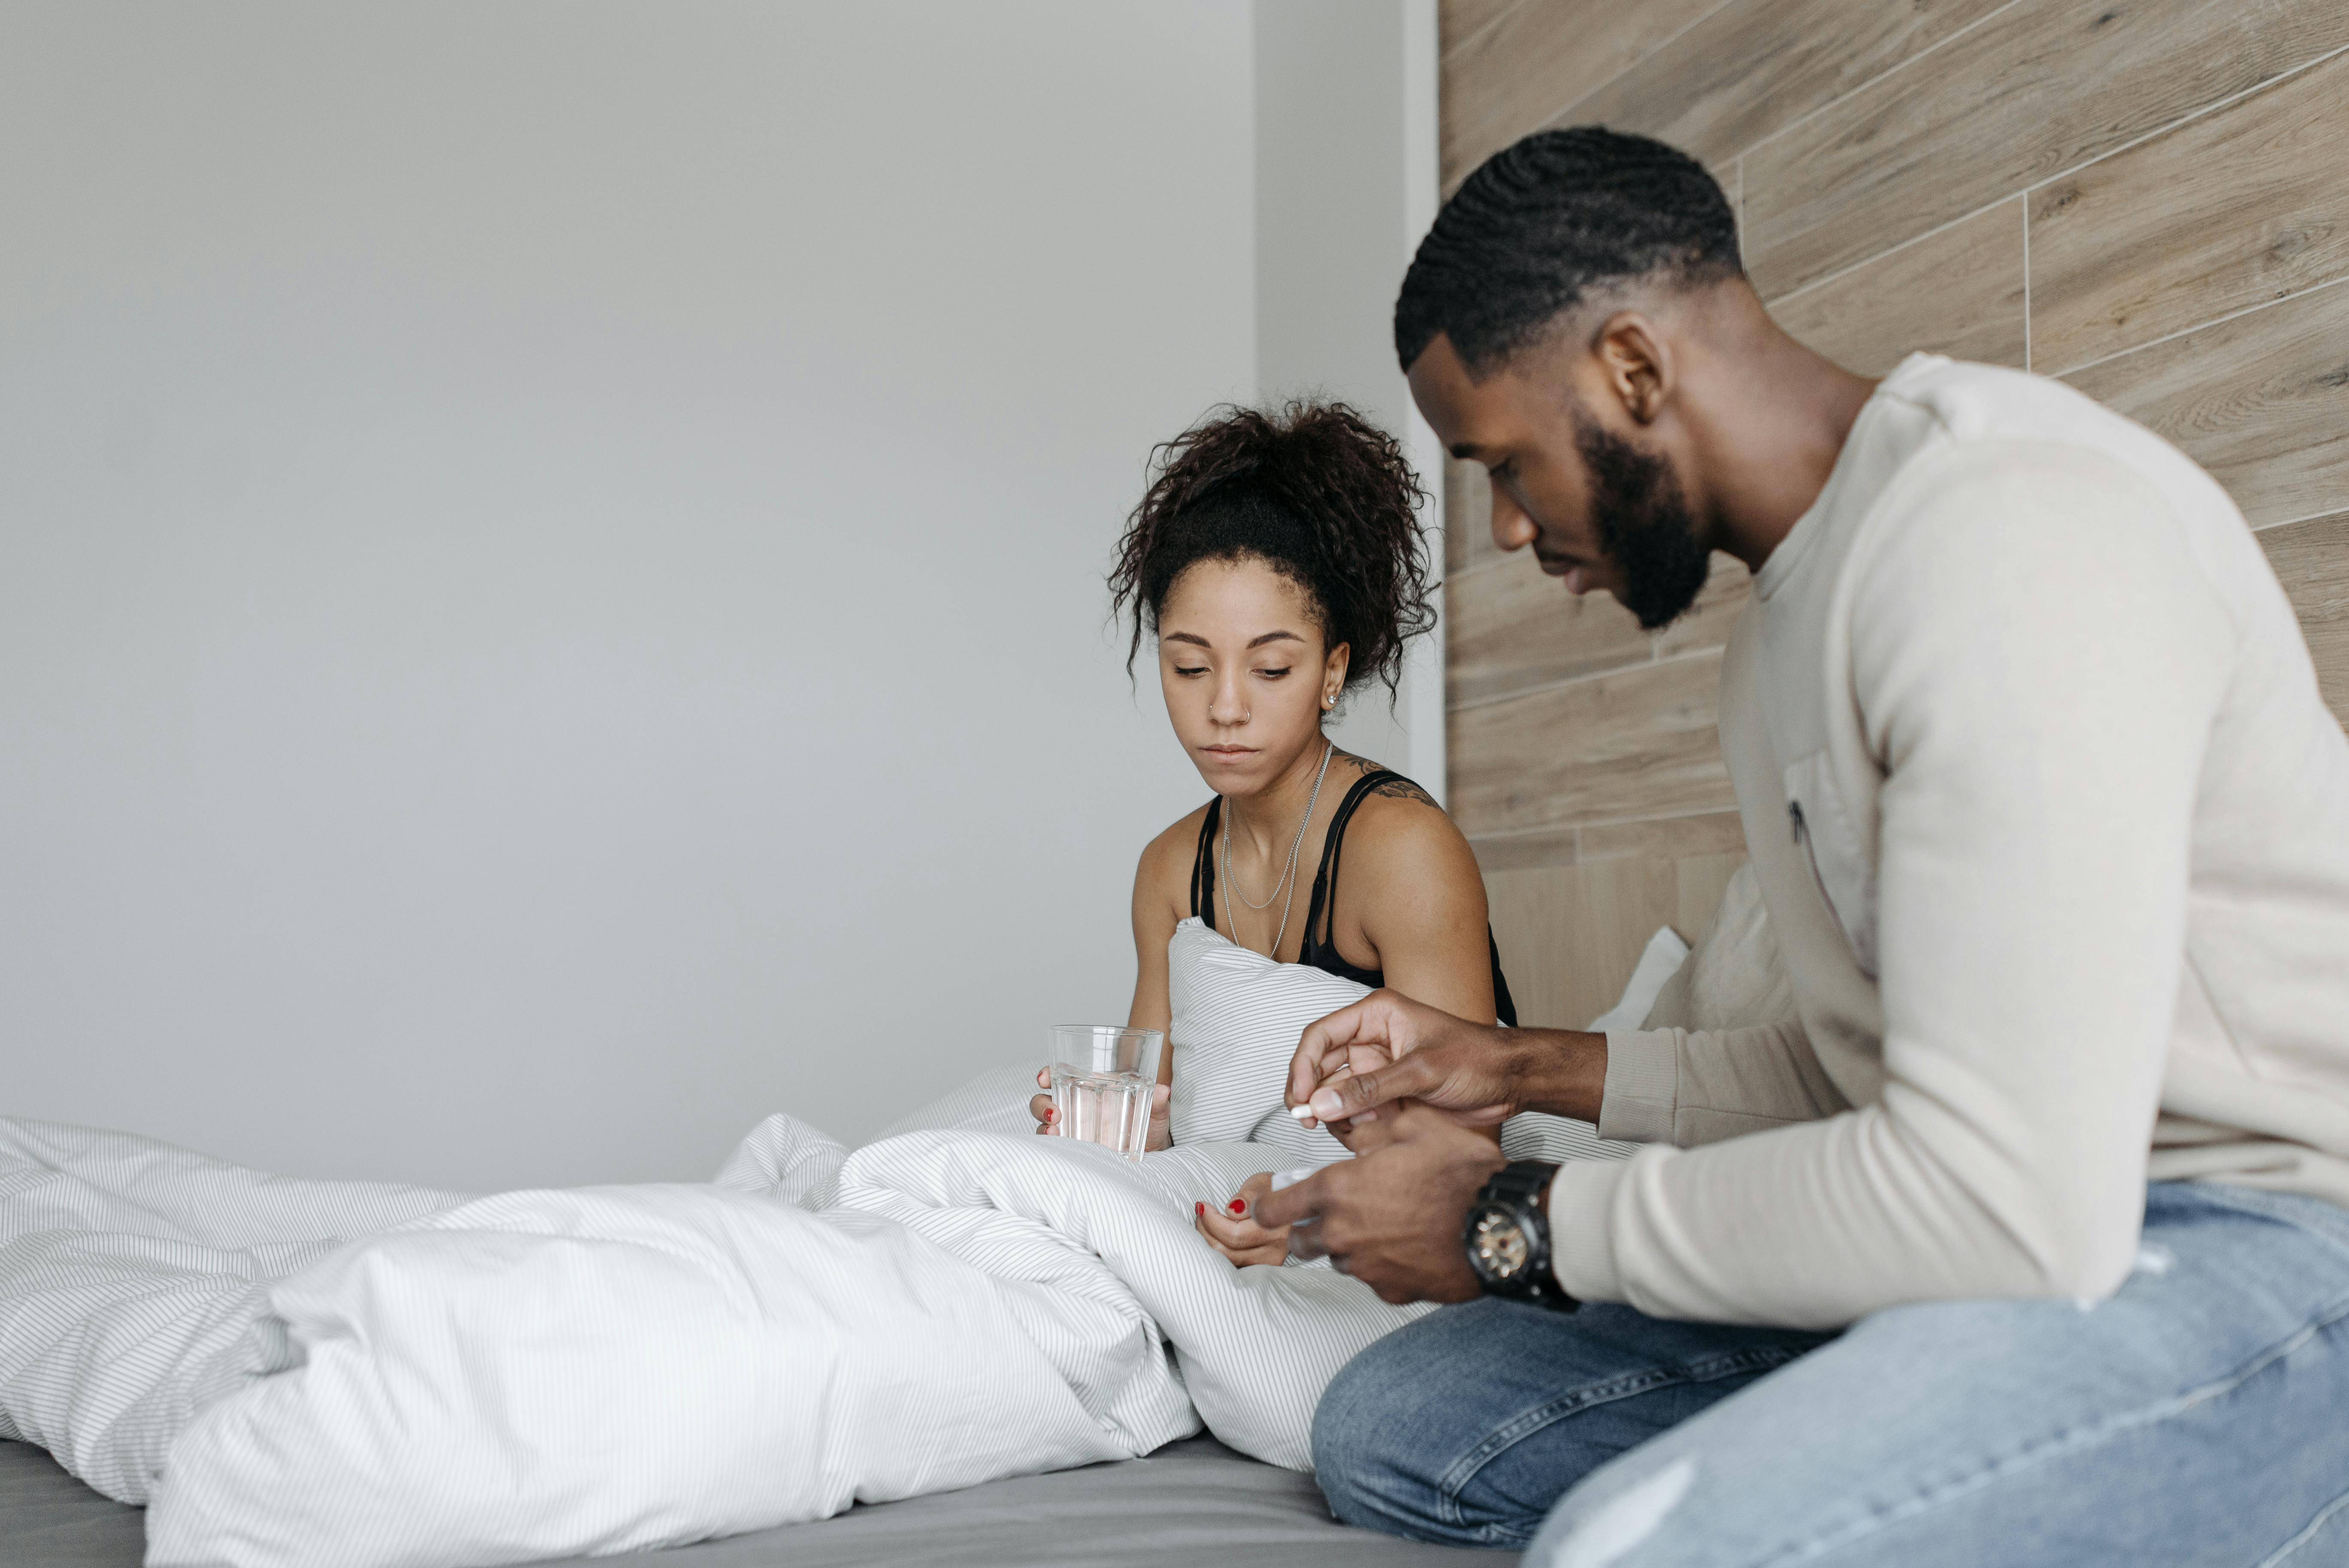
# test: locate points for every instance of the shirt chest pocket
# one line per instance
(1841, 867)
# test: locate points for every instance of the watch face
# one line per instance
(1498, 1245)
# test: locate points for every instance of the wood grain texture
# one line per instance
(1467, 514)
(1959, 292)
(1708, 621)
(2261, 401)
(1537, 61)
(1522, 852)
(1706, 833)
(1636, 743)
(1457, 21)
(2247, 203)
(1700, 835)
(2313, 559)
(1570, 936)
(1755, 67)
(1511, 627)
(2042, 87)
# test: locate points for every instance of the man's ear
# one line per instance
(1637, 364)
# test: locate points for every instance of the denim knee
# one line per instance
(1395, 1422)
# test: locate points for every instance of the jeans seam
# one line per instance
(2307, 1533)
(1464, 1470)
(2066, 1443)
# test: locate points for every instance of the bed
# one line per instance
(982, 1323)
(1195, 1502)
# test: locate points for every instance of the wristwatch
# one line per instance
(1508, 1236)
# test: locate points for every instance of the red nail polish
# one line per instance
(1238, 1207)
(1202, 1208)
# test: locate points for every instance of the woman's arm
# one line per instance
(1409, 889)
(1155, 915)
(1161, 891)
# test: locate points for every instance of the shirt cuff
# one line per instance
(1643, 1082)
(1581, 1253)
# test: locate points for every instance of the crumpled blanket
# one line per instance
(347, 1374)
(606, 1370)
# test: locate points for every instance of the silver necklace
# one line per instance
(1289, 877)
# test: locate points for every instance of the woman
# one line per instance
(1278, 560)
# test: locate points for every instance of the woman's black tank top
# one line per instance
(1319, 949)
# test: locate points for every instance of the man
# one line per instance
(2027, 1244)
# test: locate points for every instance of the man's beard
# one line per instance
(1644, 523)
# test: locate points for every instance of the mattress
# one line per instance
(1192, 1503)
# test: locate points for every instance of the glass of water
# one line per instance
(1102, 1078)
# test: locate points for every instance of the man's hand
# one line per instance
(1478, 1074)
(1393, 1217)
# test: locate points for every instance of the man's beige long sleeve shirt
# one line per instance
(2052, 826)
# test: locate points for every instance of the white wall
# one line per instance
(550, 556)
(1346, 185)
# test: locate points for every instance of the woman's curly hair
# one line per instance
(1317, 493)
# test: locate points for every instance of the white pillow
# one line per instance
(1237, 1017)
(1659, 962)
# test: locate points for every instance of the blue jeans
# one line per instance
(2199, 1416)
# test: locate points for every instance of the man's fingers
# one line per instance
(1351, 1095)
(1364, 1022)
(1299, 1200)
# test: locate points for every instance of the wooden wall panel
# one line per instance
(2145, 196)
(1754, 68)
(1603, 914)
(2261, 400)
(2242, 207)
(1460, 21)
(2054, 84)
(1959, 290)
(1467, 515)
(1513, 627)
(1537, 61)
(1636, 742)
(1708, 835)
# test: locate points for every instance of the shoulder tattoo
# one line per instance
(1403, 790)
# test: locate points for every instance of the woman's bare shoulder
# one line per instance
(1166, 859)
(1398, 825)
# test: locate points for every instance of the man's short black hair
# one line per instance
(1544, 224)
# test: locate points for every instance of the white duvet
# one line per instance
(338, 1373)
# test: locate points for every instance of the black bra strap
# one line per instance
(1202, 865)
(1321, 912)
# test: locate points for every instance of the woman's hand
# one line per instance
(1233, 1231)
(1040, 1107)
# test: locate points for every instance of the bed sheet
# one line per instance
(1191, 1502)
